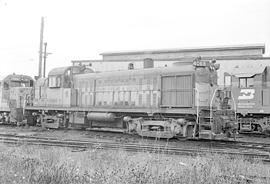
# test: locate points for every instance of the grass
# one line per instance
(27, 164)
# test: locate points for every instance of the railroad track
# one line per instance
(78, 145)
(127, 138)
(261, 146)
(256, 134)
(205, 143)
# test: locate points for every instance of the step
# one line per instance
(205, 124)
(207, 117)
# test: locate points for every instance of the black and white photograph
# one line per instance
(134, 92)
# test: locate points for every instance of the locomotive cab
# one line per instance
(60, 90)
(54, 92)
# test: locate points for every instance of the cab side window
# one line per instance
(228, 81)
(54, 82)
(245, 82)
(250, 82)
(31, 83)
(6, 86)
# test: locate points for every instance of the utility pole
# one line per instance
(41, 48)
(44, 59)
(45, 55)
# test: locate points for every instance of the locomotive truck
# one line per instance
(251, 92)
(178, 101)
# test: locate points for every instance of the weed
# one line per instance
(38, 165)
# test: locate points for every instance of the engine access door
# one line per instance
(176, 91)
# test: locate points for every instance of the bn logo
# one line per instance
(246, 94)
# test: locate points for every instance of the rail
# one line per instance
(227, 148)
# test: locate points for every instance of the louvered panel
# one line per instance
(177, 91)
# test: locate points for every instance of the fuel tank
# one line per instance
(101, 116)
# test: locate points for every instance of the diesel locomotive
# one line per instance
(13, 92)
(179, 101)
(251, 93)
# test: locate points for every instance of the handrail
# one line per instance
(197, 113)
(234, 104)
(211, 107)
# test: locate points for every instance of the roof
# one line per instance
(15, 77)
(185, 69)
(75, 70)
(189, 49)
(248, 71)
(59, 71)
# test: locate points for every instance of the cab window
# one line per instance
(31, 83)
(6, 86)
(250, 82)
(245, 82)
(54, 82)
(228, 81)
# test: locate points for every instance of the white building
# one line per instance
(228, 57)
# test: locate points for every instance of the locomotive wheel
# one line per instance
(228, 134)
(253, 127)
(190, 130)
(259, 128)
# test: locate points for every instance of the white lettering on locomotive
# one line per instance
(246, 94)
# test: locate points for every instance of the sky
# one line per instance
(77, 29)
